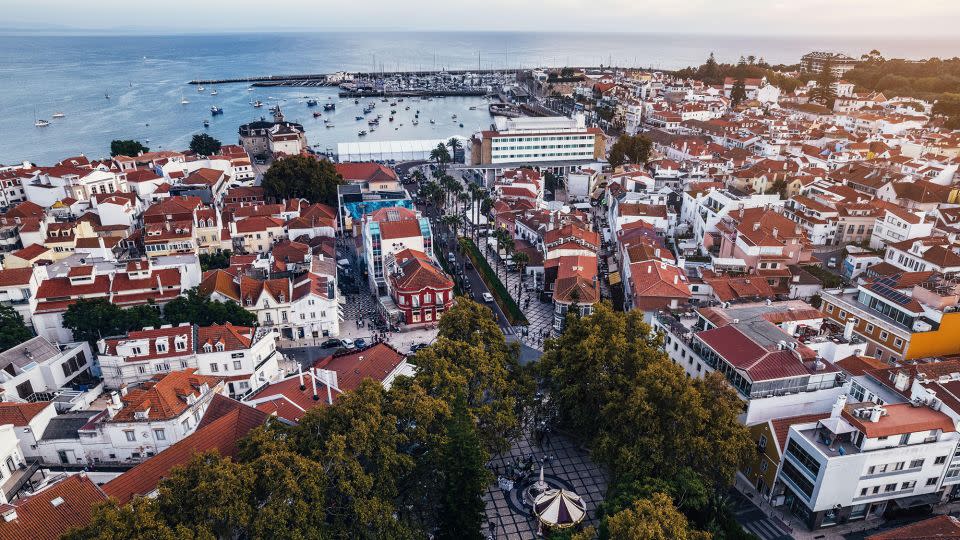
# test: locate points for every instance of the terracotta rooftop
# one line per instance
(52, 512)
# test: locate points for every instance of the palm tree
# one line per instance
(464, 199)
(454, 144)
(520, 259)
(501, 236)
(441, 155)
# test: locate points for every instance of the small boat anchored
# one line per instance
(329, 106)
(206, 123)
(257, 104)
(311, 103)
(361, 133)
(214, 92)
(58, 115)
(216, 110)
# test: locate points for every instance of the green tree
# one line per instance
(211, 492)
(455, 145)
(630, 149)
(127, 147)
(211, 261)
(141, 519)
(824, 92)
(654, 518)
(521, 259)
(441, 155)
(91, 320)
(197, 308)
(302, 177)
(13, 331)
(738, 94)
(613, 385)
(463, 477)
(204, 145)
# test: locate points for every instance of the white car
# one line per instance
(487, 297)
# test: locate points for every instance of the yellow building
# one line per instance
(770, 438)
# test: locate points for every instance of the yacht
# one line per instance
(329, 106)
(216, 110)
(58, 115)
(358, 118)
(361, 133)
(257, 104)
(311, 103)
(183, 100)
(200, 88)
(214, 92)
(40, 122)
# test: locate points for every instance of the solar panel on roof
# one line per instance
(890, 293)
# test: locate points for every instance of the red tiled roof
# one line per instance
(365, 172)
(31, 252)
(15, 277)
(936, 528)
(233, 338)
(20, 414)
(375, 362)
(37, 517)
(164, 395)
(220, 435)
(900, 418)
(289, 390)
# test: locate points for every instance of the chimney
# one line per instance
(676, 279)
(300, 376)
(900, 381)
(838, 406)
(313, 378)
(775, 231)
(650, 269)
(326, 380)
(875, 413)
(848, 328)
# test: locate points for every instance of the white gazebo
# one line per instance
(559, 509)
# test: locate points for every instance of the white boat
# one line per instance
(200, 88)
(58, 115)
(214, 92)
(39, 122)
(183, 100)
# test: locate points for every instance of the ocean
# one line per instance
(145, 77)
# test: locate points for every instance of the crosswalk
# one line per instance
(766, 530)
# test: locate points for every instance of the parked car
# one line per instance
(332, 343)
(487, 297)
(451, 258)
(468, 265)
(832, 262)
(359, 343)
(418, 346)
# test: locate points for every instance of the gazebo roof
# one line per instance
(558, 508)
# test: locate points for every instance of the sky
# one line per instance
(888, 18)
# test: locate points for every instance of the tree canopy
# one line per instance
(610, 383)
(211, 261)
(630, 149)
(653, 518)
(127, 147)
(204, 145)
(399, 464)
(13, 331)
(91, 320)
(197, 308)
(302, 177)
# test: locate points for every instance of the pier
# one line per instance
(334, 79)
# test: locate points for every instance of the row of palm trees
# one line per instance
(446, 193)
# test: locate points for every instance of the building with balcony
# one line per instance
(863, 458)
(904, 316)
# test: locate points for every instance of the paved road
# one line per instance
(754, 520)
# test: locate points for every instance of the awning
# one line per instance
(837, 425)
(614, 278)
(918, 500)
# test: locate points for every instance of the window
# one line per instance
(899, 465)
(932, 481)
(236, 364)
(884, 335)
(908, 485)
(898, 342)
(916, 463)
(160, 434)
(889, 487)
(863, 492)
(161, 347)
(131, 436)
(940, 460)
(762, 442)
(829, 308)
(214, 368)
(186, 424)
(803, 457)
(868, 329)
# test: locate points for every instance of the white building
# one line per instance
(862, 458)
(245, 357)
(39, 369)
(896, 224)
(703, 210)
